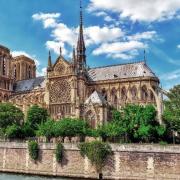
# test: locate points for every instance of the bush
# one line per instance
(96, 152)
(59, 152)
(33, 149)
(9, 115)
(27, 130)
(70, 127)
(13, 131)
(46, 129)
(36, 115)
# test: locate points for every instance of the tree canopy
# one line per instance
(171, 114)
(36, 115)
(9, 115)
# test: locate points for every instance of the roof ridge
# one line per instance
(121, 64)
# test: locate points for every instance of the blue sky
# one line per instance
(116, 31)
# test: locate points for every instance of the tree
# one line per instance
(46, 129)
(138, 123)
(9, 115)
(171, 114)
(36, 115)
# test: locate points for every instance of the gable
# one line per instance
(61, 66)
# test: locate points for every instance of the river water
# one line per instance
(21, 177)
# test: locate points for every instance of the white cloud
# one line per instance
(118, 48)
(178, 46)
(144, 35)
(42, 72)
(55, 46)
(96, 34)
(106, 17)
(171, 75)
(109, 40)
(141, 10)
(48, 19)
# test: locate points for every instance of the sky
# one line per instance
(115, 32)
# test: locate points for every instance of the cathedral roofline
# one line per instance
(119, 64)
(4, 48)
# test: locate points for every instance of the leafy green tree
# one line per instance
(110, 131)
(46, 129)
(171, 114)
(138, 123)
(36, 115)
(68, 127)
(9, 115)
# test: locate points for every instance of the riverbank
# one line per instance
(129, 161)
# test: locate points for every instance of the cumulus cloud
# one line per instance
(110, 40)
(48, 19)
(124, 50)
(144, 35)
(141, 10)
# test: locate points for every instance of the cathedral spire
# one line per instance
(81, 49)
(49, 60)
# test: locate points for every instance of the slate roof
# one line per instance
(131, 70)
(95, 98)
(30, 84)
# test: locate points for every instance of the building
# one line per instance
(70, 89)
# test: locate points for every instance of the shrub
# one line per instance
(70, 127)
(13, 131)
(46, 129)
(59, 152)
(33, 149)
(36, 115)
(9, 115)
(96, 152)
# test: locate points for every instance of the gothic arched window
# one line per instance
(114, 98)
(124, 94)
(144, 93)
(134, 93)
(4, 66)
(104, 93)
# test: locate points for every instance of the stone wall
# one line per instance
(127, 162)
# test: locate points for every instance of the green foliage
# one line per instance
(110, 131)
(163, 143)
(59, 152)
(36, 115)
(70, 127)
(138, 123)
(33, 149)
(46, 129)
(9, 115)
(96, 152)
(27, 130)
(13, 131)
(171, 114)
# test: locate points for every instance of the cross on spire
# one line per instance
(60, 51)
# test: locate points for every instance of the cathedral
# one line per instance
(71, 89)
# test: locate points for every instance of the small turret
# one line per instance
(49, 62)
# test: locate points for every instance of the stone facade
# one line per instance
(71, 89)
(127, 162)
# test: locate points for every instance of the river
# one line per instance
(22, 177)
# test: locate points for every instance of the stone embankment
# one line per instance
(130, 161)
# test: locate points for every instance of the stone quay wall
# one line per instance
(129, 161)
